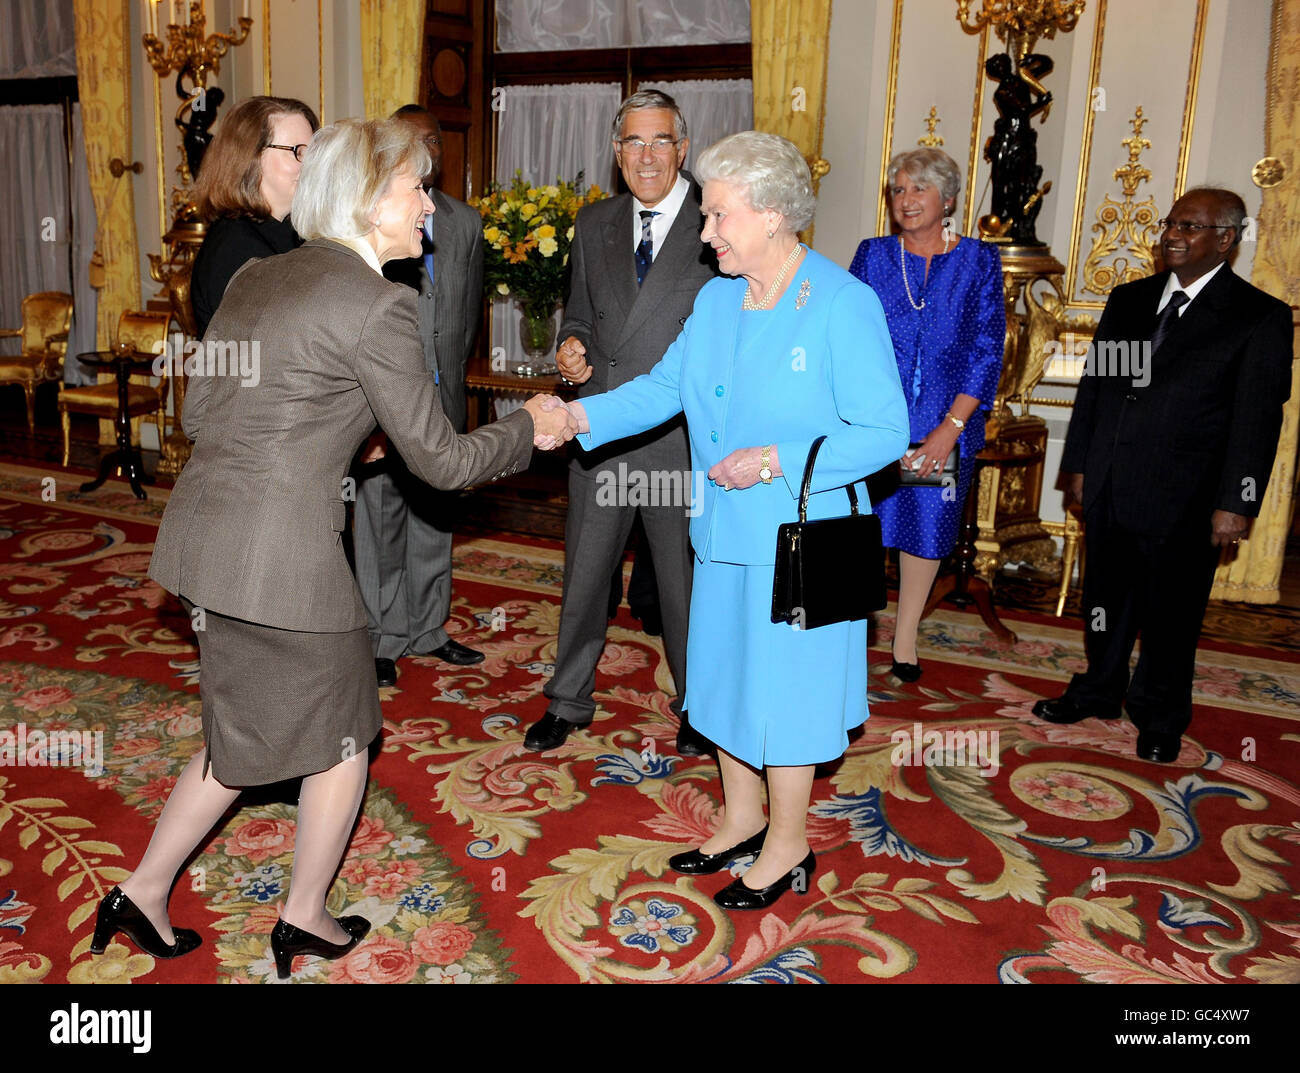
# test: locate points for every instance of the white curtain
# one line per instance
(546, 25)
(38, 228)
(37, 39)
(550, 132)
(690, 22)
(85, 321)
(712, 108)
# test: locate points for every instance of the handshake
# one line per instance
(554, 421)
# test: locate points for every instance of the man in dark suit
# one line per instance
(403, 528)
(637, 264)
(1174, 430)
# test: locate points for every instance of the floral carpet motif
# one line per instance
(958, 839)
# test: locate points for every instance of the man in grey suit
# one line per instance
(402, 535)
(637, 264)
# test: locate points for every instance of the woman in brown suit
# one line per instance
(308, 351)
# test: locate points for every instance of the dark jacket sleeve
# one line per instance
(474, 283)
(577, 303)
(1262, 389)
(1078, 439)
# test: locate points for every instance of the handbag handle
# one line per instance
(806, 487)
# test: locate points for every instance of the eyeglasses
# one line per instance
(1188, 227)
(636, 145)
(296, 150)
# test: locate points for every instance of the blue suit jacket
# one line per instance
(825, 367)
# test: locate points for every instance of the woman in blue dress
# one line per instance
(942, 296)
(785, 348)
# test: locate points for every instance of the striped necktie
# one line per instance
(645, 250)
(1168, 318)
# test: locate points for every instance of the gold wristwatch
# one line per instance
(765, 464)
(955, 420)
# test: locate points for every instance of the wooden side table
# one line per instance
(125, 460)
(483, 383)
(964, 586)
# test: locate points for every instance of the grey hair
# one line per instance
(345, 173)
(770, 168)
(929, 167)
(649, 98)
(1229, 209)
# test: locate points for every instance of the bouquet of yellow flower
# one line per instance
(527, 231)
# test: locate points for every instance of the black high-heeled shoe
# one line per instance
(904, 672)
(739, 896)
(118, 913)
(289, 941)
(696, 863)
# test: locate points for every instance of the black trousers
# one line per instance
(1139, 585)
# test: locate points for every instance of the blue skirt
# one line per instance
(765, 692)
(919, 520)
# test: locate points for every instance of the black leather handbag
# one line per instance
(832, 570)
(946, 474)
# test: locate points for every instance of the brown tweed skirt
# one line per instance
(279, 704)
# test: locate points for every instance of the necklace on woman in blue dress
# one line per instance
(902, 261)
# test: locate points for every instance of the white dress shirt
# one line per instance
(660, 224)
(1191, 290)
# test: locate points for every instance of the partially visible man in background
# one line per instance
(1170, 457)
(637, 263)
(402, 534)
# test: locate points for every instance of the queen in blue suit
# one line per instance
(788, 348)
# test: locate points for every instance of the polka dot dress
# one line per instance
(951, 346)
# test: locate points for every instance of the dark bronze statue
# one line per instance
(195, 130)
(1012, 149)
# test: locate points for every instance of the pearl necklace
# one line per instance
(762, 303)
(902, 260)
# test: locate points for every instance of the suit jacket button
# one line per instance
(1130, 397)
(600, 316)
(613, 362)
(681, 320)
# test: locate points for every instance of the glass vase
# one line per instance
(537, 334)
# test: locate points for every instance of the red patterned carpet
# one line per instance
(1031, 854)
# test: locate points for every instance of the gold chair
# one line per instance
(145, 333)
(46, 318)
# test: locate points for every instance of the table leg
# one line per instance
(125, 458)
(963, 587)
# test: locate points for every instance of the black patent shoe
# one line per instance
(1158, 747)
(547, 733)
(118, 913)
(905, 672)
(289, 941)
(739, 896)
(696, 863)
(690, 742)
(1064, 710)
(457, 654)
(385, 672)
